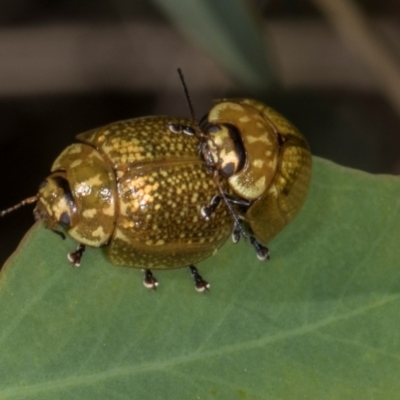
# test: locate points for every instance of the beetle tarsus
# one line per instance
(207, 211)
(76, 256)
(149, 280)
(201, 285)
(236, 234)
(261, 250)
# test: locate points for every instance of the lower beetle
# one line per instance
(135, 187)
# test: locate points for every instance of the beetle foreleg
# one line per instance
(76, 256)
(59, 233)
(207, 211)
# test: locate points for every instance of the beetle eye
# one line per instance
(65, 220)
(228, 170)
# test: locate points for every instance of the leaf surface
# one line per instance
(320, 320)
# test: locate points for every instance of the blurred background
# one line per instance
(330, 66)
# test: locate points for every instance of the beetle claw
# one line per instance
(149, 281)
(201, 285)
(75, 257)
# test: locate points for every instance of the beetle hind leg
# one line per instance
(200, 284)
(75, 257)
(149, 280)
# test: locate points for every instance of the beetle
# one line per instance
(266, 162)
(135, 187)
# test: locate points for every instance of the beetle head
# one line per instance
(224, 148)
(55, 203)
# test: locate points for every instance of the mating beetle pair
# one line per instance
(163, 192)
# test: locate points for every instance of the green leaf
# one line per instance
(320, 320)
(230, 32)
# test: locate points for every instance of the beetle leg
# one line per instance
(149, 280)
(237, 201)
(178, 128)
(200, 284)
(236, 233)
(59, 233)
(207, 211)
(261, 250)
(76, 256)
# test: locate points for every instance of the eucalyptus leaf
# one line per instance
(320, 320)
(230, 32)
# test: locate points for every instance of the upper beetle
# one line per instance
(264, 159)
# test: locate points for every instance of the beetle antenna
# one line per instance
(187, 95)
(231, 210)
(29, 200)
